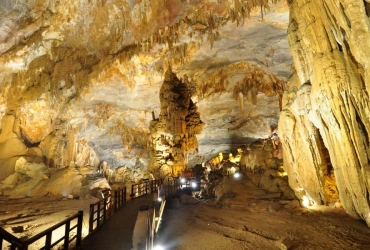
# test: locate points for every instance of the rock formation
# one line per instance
(173, 134)
(324, 125)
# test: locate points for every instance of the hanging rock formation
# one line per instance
(325, 123)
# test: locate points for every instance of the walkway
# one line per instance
(117, 231)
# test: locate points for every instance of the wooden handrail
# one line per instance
(99, 215)
(146, 187)
(139, 189)
(169, 188)
(103, 212)
(119, 198)
(14, 241)
(24, 244)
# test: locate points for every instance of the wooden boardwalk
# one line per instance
(117, 232)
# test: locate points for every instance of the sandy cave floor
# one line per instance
(250, 222)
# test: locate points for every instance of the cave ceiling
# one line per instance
(82, 78)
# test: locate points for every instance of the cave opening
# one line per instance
(329, 170)
(367, 8)
(331, 193)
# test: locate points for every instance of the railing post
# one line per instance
(79, 229)
(66, 235)
(48, 241)
(132, 190)
(124, 195)
(91, 219)
(109, 206)
(98, 215)
(105, 209)
(116, 200)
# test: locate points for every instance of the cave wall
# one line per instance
(324, 124)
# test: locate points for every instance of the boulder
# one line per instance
(12, 147)
(7, 167)
(7, 127)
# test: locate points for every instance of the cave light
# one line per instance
(282, 174)
(305, 201)
(158, 247)
(193, 184)
(236, 175)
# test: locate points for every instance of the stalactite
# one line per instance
(241, 101)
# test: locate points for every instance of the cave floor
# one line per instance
(248, 222)
(245, 220)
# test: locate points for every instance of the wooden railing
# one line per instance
(169, 188)
(139, 189)
(119, 198)
(155, 184)
(100, 211)
(16, 243)
(152, 225)
(145, 187)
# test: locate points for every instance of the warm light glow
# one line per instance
(85, 231)
(158, 247)
(237, 175)
(281, 174)
(305, 201)
(159, 199)
(182, 180)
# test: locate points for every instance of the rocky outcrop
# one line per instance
(263, 162)
(12, 148)
(324, 125)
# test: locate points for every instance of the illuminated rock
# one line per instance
(173, 134)
(324, 125)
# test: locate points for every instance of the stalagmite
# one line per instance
(184, 119)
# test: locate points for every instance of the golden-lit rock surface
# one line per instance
(83, 79)
(324, 124)
(173, 133)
